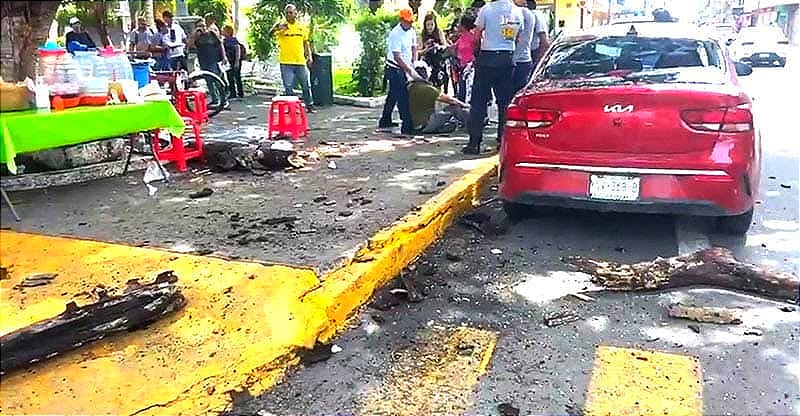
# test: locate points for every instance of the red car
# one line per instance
(640, 117)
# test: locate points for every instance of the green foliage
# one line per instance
(368, 69)
(343, 82)
(326, 16)
(86, 11)
(220, 9)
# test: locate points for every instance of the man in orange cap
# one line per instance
(402, 51)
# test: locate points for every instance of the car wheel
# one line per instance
(515, 211)
(781, 63)
(736, 224)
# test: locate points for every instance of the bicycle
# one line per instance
(205, 81)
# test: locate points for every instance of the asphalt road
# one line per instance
(477, 344)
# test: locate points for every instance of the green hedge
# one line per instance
(368, 68)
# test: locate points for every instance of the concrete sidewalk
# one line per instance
(377, 180)
(245, 320)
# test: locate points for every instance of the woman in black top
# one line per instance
(434, 44)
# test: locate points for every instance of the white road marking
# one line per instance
(692, 234)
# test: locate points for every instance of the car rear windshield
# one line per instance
(620, 56)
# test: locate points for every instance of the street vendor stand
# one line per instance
(33, 130)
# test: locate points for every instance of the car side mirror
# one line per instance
(743, 69)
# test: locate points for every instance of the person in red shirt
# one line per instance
(465, 51)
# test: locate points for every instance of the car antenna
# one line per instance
(632, 31)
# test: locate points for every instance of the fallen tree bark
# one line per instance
(710, 267)
(138, 306)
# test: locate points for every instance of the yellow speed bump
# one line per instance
(635, 382)
(239, 317)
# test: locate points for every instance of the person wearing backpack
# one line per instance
(236, 54)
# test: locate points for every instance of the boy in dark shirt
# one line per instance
(233, 51)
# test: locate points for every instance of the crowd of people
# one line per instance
(218, 51)
(488, 54)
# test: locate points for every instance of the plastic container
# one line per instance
(141, 73)
(58, 70)
(119, 67)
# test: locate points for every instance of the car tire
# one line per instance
(781, 63)
(735, 224)
(515, 211)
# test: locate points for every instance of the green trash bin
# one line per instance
(322, 79)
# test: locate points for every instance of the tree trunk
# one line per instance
(149, 12)
(710, 267)
(137, 307)
(24, 26)
(101, 14)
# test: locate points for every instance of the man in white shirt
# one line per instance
(540, 42)
(402, 51)
(176, 40)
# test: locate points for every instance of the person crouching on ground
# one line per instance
(402, 51)
(423, 96)
(295, 55)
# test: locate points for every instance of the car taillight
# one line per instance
(725, 120)
(532, 118)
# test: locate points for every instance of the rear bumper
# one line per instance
(653, 206)
(663, 191)
(768, 58)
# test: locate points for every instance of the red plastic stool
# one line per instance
(177, 151)
(287, 117)
(193, 104)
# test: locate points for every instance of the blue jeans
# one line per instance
(493, 71)
(397, 95)
(215, 95)
(522, 74)
(291, 75)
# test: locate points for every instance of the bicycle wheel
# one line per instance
(214, 86)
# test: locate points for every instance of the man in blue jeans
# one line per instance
(497, 30)
(402, 50)
(295, 54)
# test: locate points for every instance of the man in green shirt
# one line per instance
(423, 96)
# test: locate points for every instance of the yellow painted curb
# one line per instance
(238, 332)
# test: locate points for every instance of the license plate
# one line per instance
(764, 55)
(614, 187)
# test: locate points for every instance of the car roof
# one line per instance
(648, 29)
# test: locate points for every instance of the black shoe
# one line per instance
(311, 110)
(388, 126)
(471, 150)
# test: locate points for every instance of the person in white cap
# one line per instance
(78, 39)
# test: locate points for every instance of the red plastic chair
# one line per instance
(178, 151)
(287, 117)
(193, 104)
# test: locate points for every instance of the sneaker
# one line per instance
(384, 130)
(471, 150)
(310, 109)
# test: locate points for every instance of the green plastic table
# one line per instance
(31, 131)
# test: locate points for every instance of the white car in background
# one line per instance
(767, 46)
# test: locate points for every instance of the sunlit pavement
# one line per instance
(624, 355)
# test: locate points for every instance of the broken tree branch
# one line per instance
(137, 307)
(710, 267)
